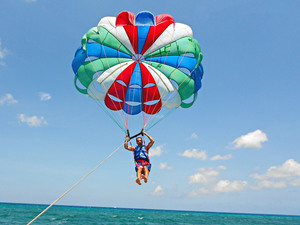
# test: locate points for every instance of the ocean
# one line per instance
(23, 213)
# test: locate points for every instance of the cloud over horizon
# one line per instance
(219, 157)
(3, 53)
(8, 99)
(205, 175)
(193, 136)
(251, 140)
(194, 153)
(158, 191)
(164, 166)
(287, 174)
(32, 121)
(44, 96)
(156, 151)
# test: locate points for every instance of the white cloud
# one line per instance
(287, 174)
(157, 151)
(295, 182)
(222, 167)
(220, 187)
(193, 136)
(196, 193)
(251, 140)
(289, 168)
(194, 153)
(44, 96)
(8, 99)
(33, 121)
(269, 184)
(219, 157)
(3, 53)
(205, 176)
(164, 166)
(228, 186)
(158, 191)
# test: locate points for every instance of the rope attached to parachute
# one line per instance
(74, 186)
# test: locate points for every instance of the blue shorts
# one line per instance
(141, 164)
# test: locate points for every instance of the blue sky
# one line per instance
(236, 150)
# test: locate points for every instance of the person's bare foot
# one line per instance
(138, 181)
(145, 179)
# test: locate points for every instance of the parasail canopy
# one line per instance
(139, 65)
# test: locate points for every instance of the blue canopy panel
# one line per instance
(95, 50)
(79, 58)
(175, 61)
(197, 77)
(142, 36)
(144, 18)
(102, 51)
(134, 94)
(143, 21)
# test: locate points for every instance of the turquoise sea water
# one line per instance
(23, 213)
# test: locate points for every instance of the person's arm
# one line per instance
(151, 141)
(129, 148)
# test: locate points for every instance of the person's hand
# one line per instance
(127, 138)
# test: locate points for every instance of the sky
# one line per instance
(237, 149)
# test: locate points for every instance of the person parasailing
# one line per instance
(141, 157)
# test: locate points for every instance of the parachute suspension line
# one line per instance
(74, 185)
(177, 89)
(128, 110)
(119, 56)
(120, 114)
(112, 116)
(164, 104)
(106, 91)
(153, 116)
(135, 79)
(164, 116)
(146, 116)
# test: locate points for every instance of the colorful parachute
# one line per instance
(139, 64)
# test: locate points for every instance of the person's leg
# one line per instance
(146, 170)
(139, 175)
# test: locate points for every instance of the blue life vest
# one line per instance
(141, 153)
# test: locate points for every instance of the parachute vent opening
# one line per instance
(189, 100)
(149, 85)
(191, 55)
(98, 87)
(91, 58)
(185, 70)
(79, 84)
(97, 74)
(114, 98)
(153, 102)
(91, 41)
(174, 84)
(121, 82)
(131, 103)
(135, 86)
